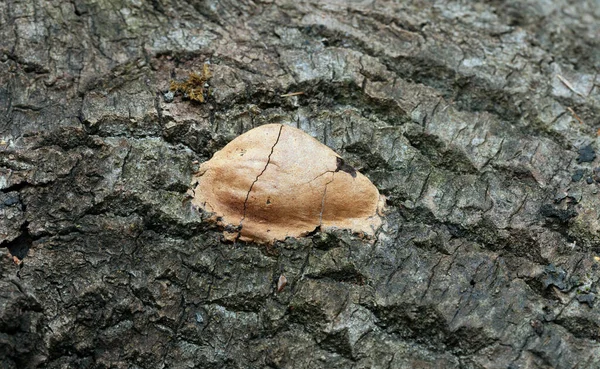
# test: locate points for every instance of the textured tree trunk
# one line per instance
(477, 120)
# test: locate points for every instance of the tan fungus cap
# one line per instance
(276, 181)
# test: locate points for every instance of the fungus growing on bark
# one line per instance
(276, 181)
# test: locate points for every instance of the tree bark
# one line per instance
(477, 120)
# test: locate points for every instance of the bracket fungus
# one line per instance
(276, 181)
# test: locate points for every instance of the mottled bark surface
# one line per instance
(478, 121)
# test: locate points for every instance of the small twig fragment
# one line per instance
(292, 94)
(575, 115)
(568, 85)
(281, 283)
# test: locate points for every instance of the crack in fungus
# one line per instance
(323, 199)
(256, 180)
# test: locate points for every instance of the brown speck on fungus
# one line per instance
(276, 181)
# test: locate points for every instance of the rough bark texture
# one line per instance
(478, 120)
